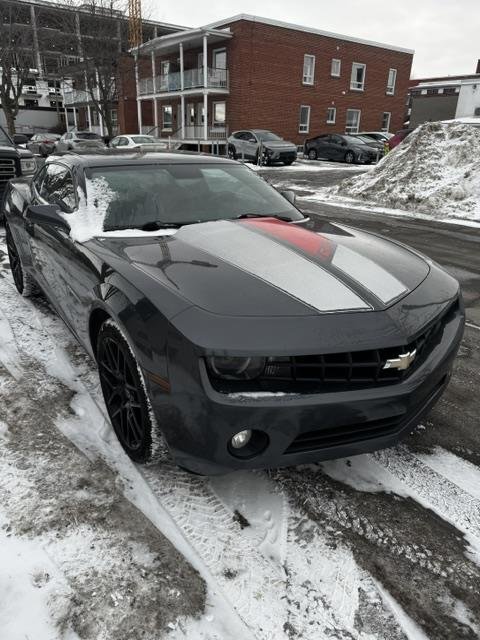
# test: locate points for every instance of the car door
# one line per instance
(322, 147)
(338, 147)
(251, 145)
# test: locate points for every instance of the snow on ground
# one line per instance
(435, 171)
(302, 165)
(379, 547)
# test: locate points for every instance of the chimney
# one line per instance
(478, 67)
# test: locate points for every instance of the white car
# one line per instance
(79, 141)
(137, 141)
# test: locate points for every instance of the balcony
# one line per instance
(192, 79)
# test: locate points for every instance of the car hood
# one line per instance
(279, 144)
(265, 267)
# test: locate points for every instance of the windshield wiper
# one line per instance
(264, 215)
(155, 225)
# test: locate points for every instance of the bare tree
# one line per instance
(16, 57)
(102, 30)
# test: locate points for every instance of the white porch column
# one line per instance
(205, 115)
(182, 114)
(100, 117)
(205, 63)
(67, 129)
(154, 89)
(74, 118)
(89, 111)
(182, 78)
(139, 103)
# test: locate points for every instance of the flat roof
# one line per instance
(190, 37)
(297, 27)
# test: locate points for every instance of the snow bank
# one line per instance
(435, 171)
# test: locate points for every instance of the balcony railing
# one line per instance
(192, 79)
(80, 96)
(191, 132)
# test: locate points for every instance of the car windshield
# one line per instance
(88, 136)
(366, 139)
(4, 139)
(265, 136)
(176, 194)
(143, 139)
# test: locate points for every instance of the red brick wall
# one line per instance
(266, 67)
(266, 90)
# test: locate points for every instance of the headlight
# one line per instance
(232, 368)
(28, 165)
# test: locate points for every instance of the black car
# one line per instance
(222, 318)
(14, 161)
(343, 148)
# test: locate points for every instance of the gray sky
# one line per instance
(444, 33)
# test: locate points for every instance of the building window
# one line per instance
(331, 115)
(31, 104)
(219, 59)
(336, 68)
(392, 79)
(308, 69)
(357, 80)
(165, 67)
(114, 117)
(353, 121)
(386, 121)
(167, 116)
(423, 92)
(304, 125)
(219, 113)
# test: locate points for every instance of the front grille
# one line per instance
(341, 371)
(336, 436)
(7, 172)
(287, 155)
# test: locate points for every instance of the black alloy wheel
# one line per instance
(312, 154)
(125, 397)
(24, 282)
(349, 157)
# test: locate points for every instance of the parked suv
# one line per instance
(343, 148)
(246, 145)
(79, 141)
(14, 161)
(43, 143)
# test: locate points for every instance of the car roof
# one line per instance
(114, 157)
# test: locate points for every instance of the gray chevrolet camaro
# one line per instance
(223, 319)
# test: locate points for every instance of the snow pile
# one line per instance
(87, 222)
(435, 171)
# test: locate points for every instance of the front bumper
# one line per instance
(198, 421)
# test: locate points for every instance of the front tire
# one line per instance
(349, 157)
(232, 154)
(126, 398)
(24, 282)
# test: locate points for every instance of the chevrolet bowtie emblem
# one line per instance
(403, 361)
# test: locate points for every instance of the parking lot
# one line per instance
(384, 545)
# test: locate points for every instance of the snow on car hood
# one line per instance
(264, 267)
(279, 144)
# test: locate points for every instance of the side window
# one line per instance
(122, 142)
(57, 187)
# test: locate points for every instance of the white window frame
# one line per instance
(391, 83)
(329, 119)
(350, 128)
(217, 122)
(164, 107)
(306, 79)
(304, 128)
(386, 130)
(336, 62)
(354, 84)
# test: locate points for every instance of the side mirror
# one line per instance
(47, 214)
(19, 138)
(289, 195)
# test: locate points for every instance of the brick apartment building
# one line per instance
(198, 85)
(444, 98)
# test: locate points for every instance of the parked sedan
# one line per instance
(137, 141)
(79, 141)
(43, 144)
(342, 148)
(223, 321)
(247, 144)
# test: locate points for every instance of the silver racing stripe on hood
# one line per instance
(274, 263)
(368, 274)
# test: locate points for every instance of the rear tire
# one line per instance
(349, 157)
(312, 154)
(24, 282)
(125, 395)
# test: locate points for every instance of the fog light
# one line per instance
(241, 439)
